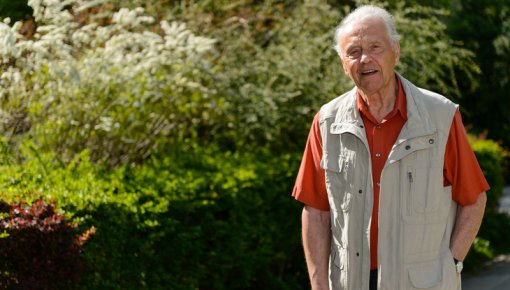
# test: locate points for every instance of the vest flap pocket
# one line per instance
(333, 163)
(414, 144)
(426, 275)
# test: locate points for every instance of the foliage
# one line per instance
(492, 240)
(123, 84)
(167, 223)
(173, 131)
(492, 159)
(480, 253)
(483, 26)
(16, 10)
(282, 70)
(39, 248)
(280, 75)
(30, 174)
(162, 227)
(495, 230)
(212, 226)
(493, 236)
(112, 82)
(429, 57)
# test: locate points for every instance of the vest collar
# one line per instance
(418, 122)
(348, 118)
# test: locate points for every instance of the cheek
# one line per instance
(348, 67)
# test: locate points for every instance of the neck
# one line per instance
(382, 102)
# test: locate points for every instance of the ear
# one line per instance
(396, 49)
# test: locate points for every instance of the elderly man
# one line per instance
(393, 193)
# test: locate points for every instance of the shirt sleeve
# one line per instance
(310, 186)
(461, 169)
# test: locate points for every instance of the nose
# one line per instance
(365, 57)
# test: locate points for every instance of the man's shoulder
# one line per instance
(433, 97)
(426, 97)
(330, 109)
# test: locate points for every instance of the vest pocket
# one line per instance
(423, 194)
(424, 199)
(437, 274)
(337, 185)
(425, 275)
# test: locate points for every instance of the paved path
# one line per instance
(496, 276)
(504, 205)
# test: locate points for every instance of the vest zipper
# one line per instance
(409, 193)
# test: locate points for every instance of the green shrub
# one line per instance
(481, 252)
(192, 218)
(492, 160)
(206, 220)
(494, 235)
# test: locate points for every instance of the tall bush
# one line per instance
(112, 82)
(123, 84)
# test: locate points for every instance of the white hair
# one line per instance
(363, 13)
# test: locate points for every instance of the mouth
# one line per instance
(368, 72)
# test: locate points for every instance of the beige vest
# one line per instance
(416, 212)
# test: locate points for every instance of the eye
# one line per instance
(376, 48)
(354, 53)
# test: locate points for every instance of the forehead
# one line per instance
(372, 29)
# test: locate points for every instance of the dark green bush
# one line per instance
(206, 220)
(194, 218)
(492, 160)
(494, 235)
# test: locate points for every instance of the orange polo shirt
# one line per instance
(461, 169)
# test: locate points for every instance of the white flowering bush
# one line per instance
(112, 82)
(122, 84)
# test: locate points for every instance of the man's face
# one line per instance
(368, 56)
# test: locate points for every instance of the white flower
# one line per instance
(131, 18)
(83, 73)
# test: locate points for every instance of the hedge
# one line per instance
(193, 219)
(198, 218)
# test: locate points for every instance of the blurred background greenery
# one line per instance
(178, 136)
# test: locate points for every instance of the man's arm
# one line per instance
(316, 231)
(467, 224)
